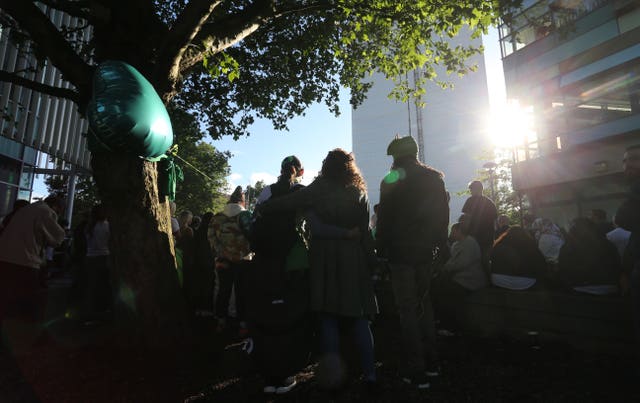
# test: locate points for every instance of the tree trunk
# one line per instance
(149, 306)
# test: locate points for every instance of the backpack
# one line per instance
(228, 237)
(274, 234)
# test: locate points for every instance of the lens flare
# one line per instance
(127, 297)
(395, 175)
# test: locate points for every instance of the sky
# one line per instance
(310, 137)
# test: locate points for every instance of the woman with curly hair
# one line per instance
(341, 289)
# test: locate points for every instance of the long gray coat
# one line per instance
(340, 272)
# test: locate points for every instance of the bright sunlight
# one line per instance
(511, 125)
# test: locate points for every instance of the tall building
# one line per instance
(31, 121)
(577, 64)
(451, 129)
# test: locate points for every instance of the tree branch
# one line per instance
(185, 28)
(50, 41)
(319, 5)
(218, 35)
(6, 76)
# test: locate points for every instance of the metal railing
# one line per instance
(537, 148)
(539, 20)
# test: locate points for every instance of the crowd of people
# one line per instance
(304, 262)
(430, 271)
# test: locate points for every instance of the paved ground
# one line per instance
(473, 370)
(77, 364)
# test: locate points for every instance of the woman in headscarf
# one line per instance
(549, 239)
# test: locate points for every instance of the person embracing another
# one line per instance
(277, 300)
(340, 272)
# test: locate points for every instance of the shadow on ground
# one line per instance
(78, 363)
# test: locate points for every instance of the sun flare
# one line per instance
(511, 125)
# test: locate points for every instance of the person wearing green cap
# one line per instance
(277, 302)
(412, 222)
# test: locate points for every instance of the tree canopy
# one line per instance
(252, 192)
(233, 61)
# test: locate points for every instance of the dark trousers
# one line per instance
(230, 278)
(448, 299)
(199, 288)
(282, 350)
(98, 294)
(20, 294)
(411, 285)
(485, 241)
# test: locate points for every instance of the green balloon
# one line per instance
(126, 114)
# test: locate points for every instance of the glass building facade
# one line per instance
(577, 65)
(31, 121)
(17, 164)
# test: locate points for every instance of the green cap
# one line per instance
(402, 147)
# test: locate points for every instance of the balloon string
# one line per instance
(192, 167)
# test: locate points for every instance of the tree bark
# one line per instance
(149, 307)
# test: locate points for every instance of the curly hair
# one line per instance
(340, 166)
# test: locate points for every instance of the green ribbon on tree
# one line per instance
(169, 173)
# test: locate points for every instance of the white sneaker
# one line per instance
(289, 384)
(269, 389)
(247, 345)
(421, 383)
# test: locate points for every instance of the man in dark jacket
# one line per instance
(482, 214)
(412, 223)
(628, 218)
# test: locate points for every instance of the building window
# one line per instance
(24, 194)
(7, 197)
(527, 27)
(539, 20)
(629, 21)
(9, 171)
(26, 179)
(30, 155)
(608, 97)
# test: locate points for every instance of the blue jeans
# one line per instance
(330, 336)
(411, 289)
